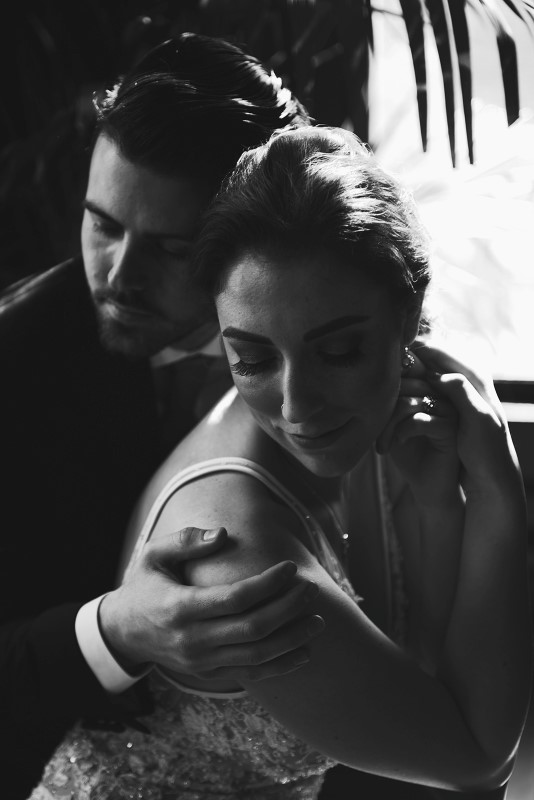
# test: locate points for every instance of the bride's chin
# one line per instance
(325, 465)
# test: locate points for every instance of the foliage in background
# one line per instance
(61, 52)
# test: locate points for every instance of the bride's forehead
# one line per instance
(322, 277)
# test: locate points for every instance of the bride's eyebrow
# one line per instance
(245, 336)
(315, 333)
(335, 325)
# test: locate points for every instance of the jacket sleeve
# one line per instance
(76, 433)
(45, 682)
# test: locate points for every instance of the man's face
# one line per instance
(137, 234)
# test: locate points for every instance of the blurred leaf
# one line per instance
(355, 34)
(412, 12)
(311, 32)
(461, 38)
(507, 57)
(441, 27)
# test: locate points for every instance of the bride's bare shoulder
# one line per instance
(261, 529)
(227, 430)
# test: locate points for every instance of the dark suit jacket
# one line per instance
(77, 445)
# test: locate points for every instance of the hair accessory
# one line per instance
(407, 360)
(428, 402)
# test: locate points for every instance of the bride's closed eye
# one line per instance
(246, 369)
(347, 358)
(343, 359)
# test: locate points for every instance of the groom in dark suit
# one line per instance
(107, 361)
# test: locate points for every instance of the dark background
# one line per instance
(55, 55)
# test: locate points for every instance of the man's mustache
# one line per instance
(128, 300)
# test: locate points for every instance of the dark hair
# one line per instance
(316, 187)
(195, 103)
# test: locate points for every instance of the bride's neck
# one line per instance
(332, 490)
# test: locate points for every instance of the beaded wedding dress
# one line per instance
(205, 745)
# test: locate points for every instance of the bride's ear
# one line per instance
(412, 320)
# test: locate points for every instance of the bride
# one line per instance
(349, 445)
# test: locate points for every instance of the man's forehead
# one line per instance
(133, 195)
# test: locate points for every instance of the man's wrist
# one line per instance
(108, 670)
(133, 668)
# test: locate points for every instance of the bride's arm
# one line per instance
(361, 699)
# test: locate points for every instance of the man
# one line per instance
(96, 390)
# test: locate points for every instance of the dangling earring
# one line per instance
(407, 359)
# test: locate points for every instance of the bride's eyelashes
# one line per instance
(252, 368)
(247, 369)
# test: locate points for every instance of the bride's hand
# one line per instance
(421, 436)
(448, 427)
(484, 445)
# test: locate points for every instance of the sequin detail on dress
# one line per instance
(199, 746)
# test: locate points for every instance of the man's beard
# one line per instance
(121, 340)
(131, 342)
(152, 332)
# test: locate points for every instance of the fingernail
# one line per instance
(315, 625)
(211, 534)
(290, 569)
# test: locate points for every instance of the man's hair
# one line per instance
(194, 103)
(311, 189)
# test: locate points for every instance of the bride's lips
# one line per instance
(317, 441)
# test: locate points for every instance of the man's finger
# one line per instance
(262, 620)
(282, 651)
(182, 545)
(289, 662)
(242, 596)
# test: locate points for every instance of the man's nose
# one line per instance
(127, 272)
(302, 399)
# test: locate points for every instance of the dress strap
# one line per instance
(396, 592)
(319, 544)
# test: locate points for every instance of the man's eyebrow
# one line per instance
(94, 208)
(315, 333)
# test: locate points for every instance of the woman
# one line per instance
(338, 447)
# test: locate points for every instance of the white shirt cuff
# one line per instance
(106, 668)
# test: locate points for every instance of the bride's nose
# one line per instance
(302, 398)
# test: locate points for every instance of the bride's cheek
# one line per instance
(259, 396)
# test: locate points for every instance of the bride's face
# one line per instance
(315, 350)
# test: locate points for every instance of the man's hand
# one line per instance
(252, 629)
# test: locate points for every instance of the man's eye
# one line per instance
(175, 250)
(105, 227)
(251, 368)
